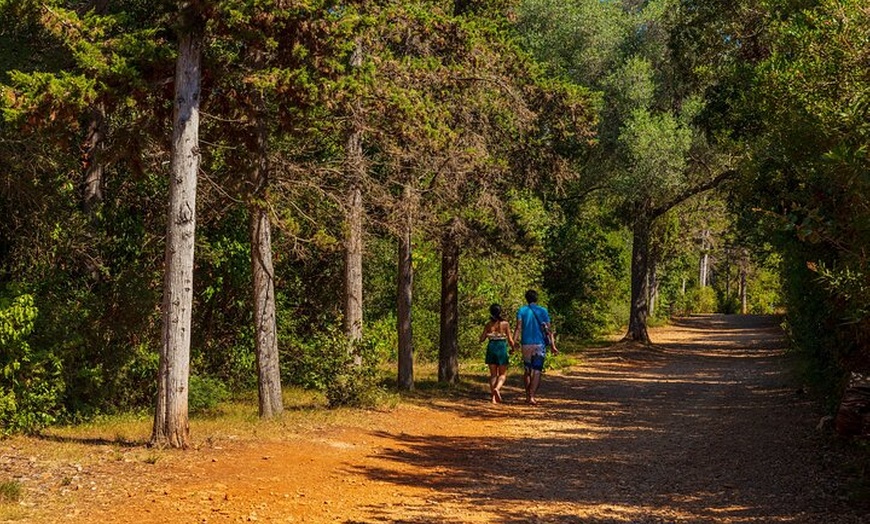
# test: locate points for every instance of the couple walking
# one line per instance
(532, 335)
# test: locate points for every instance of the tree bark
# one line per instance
(353, 314)
(405, 299)
(704, 262)
(448, 353)
(171, 426)
(92, 158)
(637, 321)
(353, 274)
(263, 276)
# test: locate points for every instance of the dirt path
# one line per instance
(705, 428)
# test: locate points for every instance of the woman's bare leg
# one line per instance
(499, 382)
(493, 380)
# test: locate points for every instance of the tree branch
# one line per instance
(690, 192)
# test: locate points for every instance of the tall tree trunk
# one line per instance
(448, 353)
(171, 425)
(263, 276)
(637, 320)
(353, 273)
(404, 296)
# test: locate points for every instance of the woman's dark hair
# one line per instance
(495, 312)
(531, 296)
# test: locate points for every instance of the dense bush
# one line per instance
(205, 394)
(30, 381)
(587, 272)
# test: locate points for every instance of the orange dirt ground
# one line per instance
(707, 427)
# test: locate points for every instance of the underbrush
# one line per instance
(220, 416)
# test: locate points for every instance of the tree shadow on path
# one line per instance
(708, 430)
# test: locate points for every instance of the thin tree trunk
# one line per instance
(702, 270)
(263, 276)
(353, 274)
(92, 159)
(728, 275)
(448, 353)
(637, 321)
(171, 425)
(744, 303)
(405, 299)
(704, 262)
(653, 288)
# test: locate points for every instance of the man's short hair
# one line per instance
(531, 296)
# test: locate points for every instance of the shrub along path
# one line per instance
(705, 427)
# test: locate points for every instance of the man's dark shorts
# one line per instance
(534, 362)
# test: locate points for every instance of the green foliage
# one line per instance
(354, 386)
(587, 272)
(578, 40)
(326, 362)
(30, 381)
(205, 394)
(382, 338)
(764, 287)
(701, 300)
(808, 185)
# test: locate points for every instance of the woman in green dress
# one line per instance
(498, 332)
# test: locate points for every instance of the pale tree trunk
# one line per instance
(702, 270)
(263, 275)
(353, 270)
(404, 297)
(637, 320)
(704, 262)
(653, 288)
(171, 425)
(448, 352)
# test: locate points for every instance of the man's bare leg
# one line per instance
(527, 381)
(534, 383)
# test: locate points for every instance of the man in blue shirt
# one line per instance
(534, 335)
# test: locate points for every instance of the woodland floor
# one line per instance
(708, 426)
